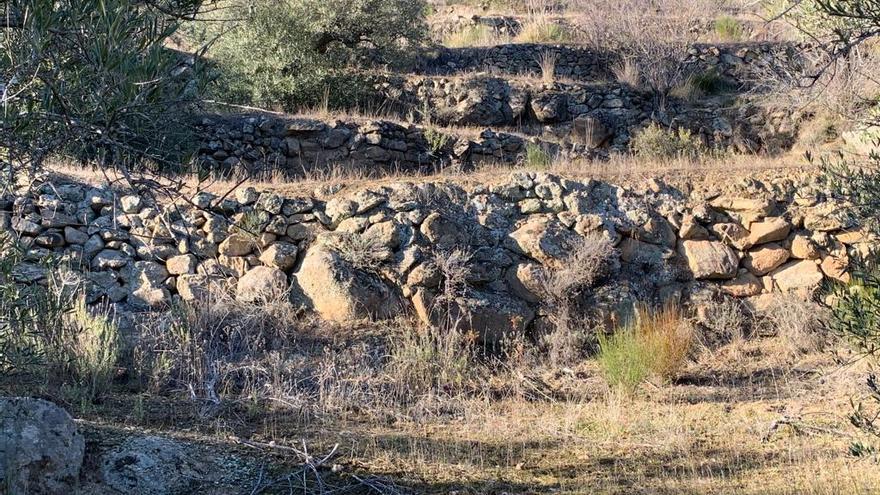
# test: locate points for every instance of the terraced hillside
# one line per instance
(542, 247)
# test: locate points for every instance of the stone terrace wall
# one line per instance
(373, 253)
(265, 143)
(736, 62)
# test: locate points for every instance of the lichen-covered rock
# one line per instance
(710, 259)
(765, 259)
(491, 316)
(746, 210)
(147, 284)
(768, 230)
(160, 466)
(340, 292)
(526, 281)
(110, 258)
(281, 255)
(836, 267)
(192, 287)
(237, 245)
(543, 239)
(744, 285)
(803, 248)
(182, 265)
(798, 276)
(41, 450)
(260, 284)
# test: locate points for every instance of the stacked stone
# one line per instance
(380, 251)
(738, 62)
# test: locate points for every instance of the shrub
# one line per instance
(655, 141)
(651, 344)
(364, 252)
(212, 348)
(856, 312)
(46, 330)
(25, 311)
(537, 157)
(541, 30)
(627, 71)
(94, 80)
(726, 319)
(547, 62)
(654, 40)
(437, 141)
(798, 322)
(698, 85)
(727, 28)
(431, 360)
(473, 35)
(94, 349)
(290, 53)
(591, 259)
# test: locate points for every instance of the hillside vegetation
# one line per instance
(439, 246)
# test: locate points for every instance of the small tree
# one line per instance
(291, 53)
(856, 313)
(93, 79)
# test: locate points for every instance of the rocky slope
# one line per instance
(379, 252)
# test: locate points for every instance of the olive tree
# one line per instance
(292, 53)
(94, 80)
(856, 312)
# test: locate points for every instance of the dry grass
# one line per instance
(708, 433)
(798, 322)
(547, 61)
(653, 344)
(591, 259)
(474, 35)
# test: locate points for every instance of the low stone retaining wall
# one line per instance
(738, 63)
(263, 143)
(384, 250)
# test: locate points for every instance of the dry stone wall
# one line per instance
(379, 252)
(574, 121)
(258, 143)
(738, 63)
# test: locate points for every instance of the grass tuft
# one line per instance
(653, 344)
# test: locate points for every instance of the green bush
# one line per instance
(856, 312)
(94, 80)
(655, 141)
(291, 53)
(47, 331)
(543, 31)
(537, 157)
(436, 140)
(728, 28)
(652, 344)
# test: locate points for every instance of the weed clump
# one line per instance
(652, 344)
(656, 141)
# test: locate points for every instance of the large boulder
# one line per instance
(804, 276)
(710, 259)
(765, 259)
(161, 466)
(340, 292)
(768, 230)
(261, 284)
(41, 450)
(543, 239)
(491, 316)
